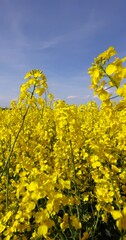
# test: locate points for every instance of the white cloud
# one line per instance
(79, 97)
(95, 97)
(72, 97)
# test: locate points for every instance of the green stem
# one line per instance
(7, 165)
(75, 185)
(61, 235)
(95, 225)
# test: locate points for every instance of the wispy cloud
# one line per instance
(86, 30)
(18, 49)
(34, 38)
(40, 45)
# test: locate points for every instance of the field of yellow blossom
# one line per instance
(63, 167)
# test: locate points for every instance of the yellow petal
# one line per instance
(31, 206)
(110, 69)
(120, 91)
(118, 224)
(42, 230)
(85, 236)
(116, 214)
(33, 186)
(96, 73)
(124, 211)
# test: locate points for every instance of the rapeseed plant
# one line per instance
(63, 167)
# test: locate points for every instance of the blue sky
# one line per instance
(59, 37)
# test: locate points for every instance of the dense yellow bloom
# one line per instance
(115, 72)
(57, 160)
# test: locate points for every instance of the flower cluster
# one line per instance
(63, 167)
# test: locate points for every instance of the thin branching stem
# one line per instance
(7, 165)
